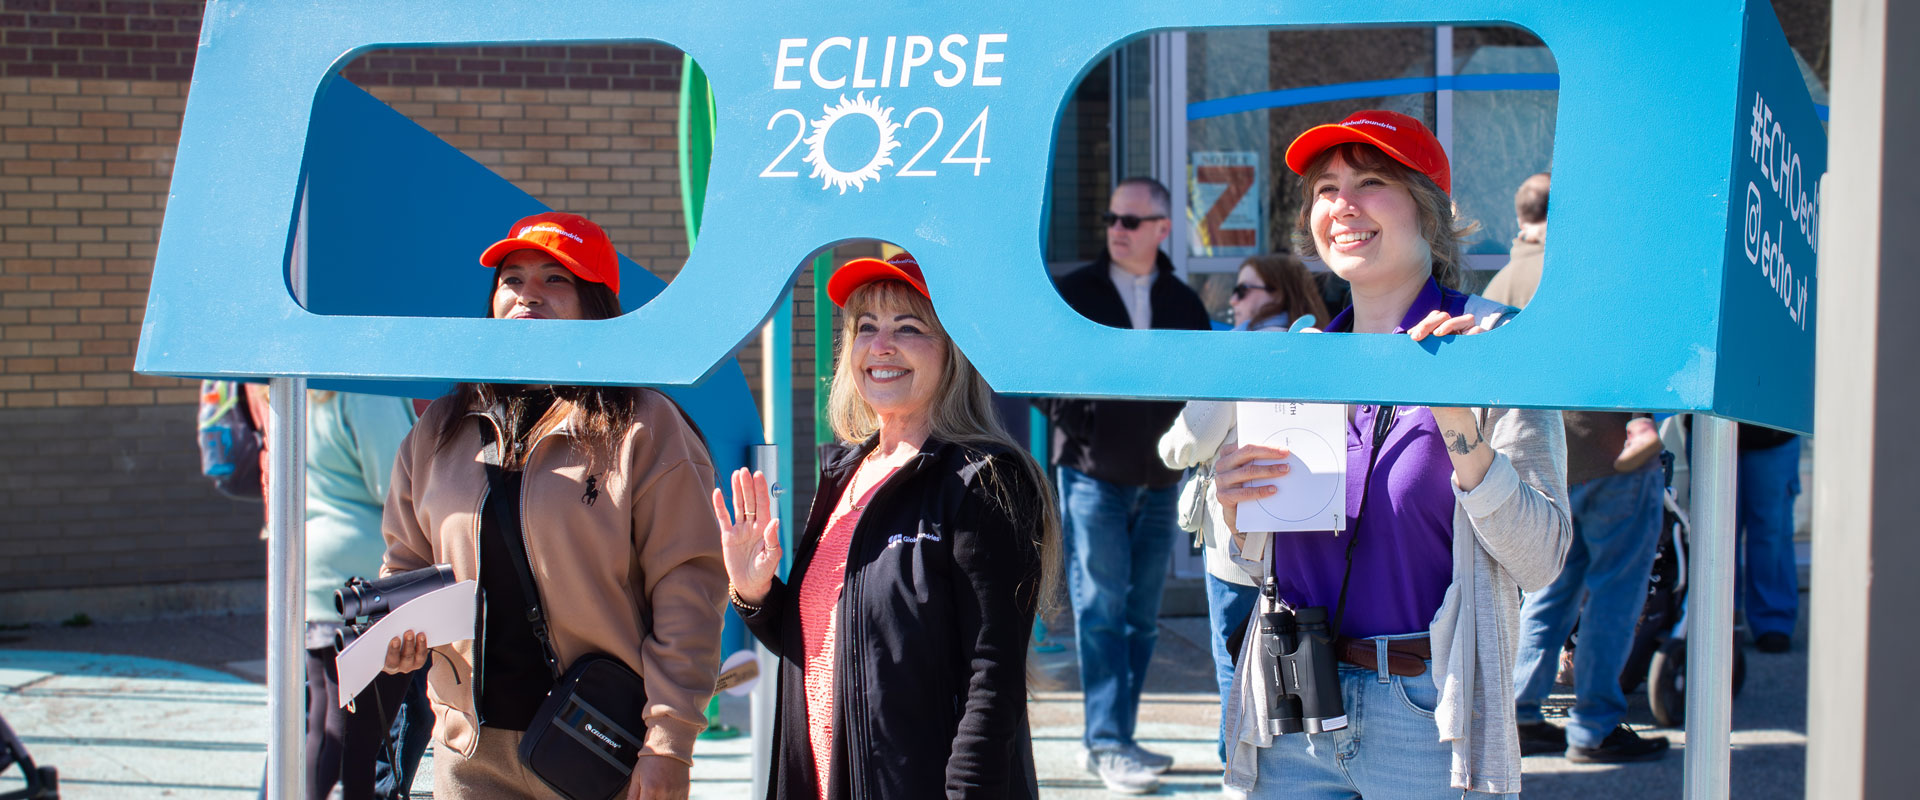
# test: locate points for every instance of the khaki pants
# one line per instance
(494, 771)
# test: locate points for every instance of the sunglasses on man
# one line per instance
(1128, 221)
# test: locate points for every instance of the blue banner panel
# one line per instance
(930, 125)
(1773, 238)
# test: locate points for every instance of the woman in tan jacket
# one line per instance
(608, 485)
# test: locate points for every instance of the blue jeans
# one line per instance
(1390, 749)
(1616, 527)
(1229, 606)
(1768, 482)
(412, 729)
(1119, 543)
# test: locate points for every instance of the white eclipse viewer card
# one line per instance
(446, 615)
(1312, 495)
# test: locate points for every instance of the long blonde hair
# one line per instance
(962, 413)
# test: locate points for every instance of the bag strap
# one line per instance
(516, 548)
(1382, 422)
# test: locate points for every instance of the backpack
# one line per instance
(230, 443)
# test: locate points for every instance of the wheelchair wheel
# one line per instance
(1667, 681)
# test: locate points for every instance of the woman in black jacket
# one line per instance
(902, 630)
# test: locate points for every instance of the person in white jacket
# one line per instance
(1454, 510)
(1271, 293)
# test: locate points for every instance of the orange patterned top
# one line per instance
(820, 620)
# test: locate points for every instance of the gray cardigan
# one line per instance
(1510, 534)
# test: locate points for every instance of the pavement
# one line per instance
(176, 709)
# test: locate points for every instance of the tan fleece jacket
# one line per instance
(628, 564)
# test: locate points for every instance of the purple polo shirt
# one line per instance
(1404, 561)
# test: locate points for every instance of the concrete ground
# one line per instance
(175, 709)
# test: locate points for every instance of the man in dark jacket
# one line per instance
(1116, 498)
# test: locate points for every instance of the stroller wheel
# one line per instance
(1667, 681)
(49, 784)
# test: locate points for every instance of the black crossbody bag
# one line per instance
(585, 738)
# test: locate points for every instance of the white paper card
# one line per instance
(444, 615)
(1312, 495)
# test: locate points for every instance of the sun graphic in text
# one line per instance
(860, 106)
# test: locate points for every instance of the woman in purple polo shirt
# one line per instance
(1464, 508)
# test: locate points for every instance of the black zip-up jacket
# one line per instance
(1114, 440)
(930, 684)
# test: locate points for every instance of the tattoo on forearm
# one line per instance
(1457, 442)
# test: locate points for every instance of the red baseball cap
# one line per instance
(1402, 138)
(862, 271)
(573, 240)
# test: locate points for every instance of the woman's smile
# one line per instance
(1349, 241)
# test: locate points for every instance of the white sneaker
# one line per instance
(1156, 763)
(1118, 769)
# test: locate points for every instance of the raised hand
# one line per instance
(749, 537)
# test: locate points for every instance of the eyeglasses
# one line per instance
(1128, 221)
(1241, 290)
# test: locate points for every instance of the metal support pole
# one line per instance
(776, 382)
(1710, 610)
(286, 588)
(766, 459)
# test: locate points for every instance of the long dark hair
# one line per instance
(601, 414)
(1291, 285)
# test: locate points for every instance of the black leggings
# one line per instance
(342, 746)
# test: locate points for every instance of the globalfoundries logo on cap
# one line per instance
(1401, 137)
(1352, 122)
(548, 229)
(573, 240)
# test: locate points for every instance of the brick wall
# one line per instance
(84, 169)
(127, 40)
(104, 496)
(623, 66)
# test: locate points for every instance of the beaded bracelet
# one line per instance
(733, 595)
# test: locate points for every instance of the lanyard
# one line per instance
(1382, 423)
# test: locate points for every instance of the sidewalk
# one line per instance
(175, 709)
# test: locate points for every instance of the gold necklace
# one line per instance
(853, 495)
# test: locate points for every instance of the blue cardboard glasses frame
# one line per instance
(1707, 174)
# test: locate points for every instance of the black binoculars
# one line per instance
(372, 599)
(1304, 675)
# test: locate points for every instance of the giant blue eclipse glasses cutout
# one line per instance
(931, 125)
